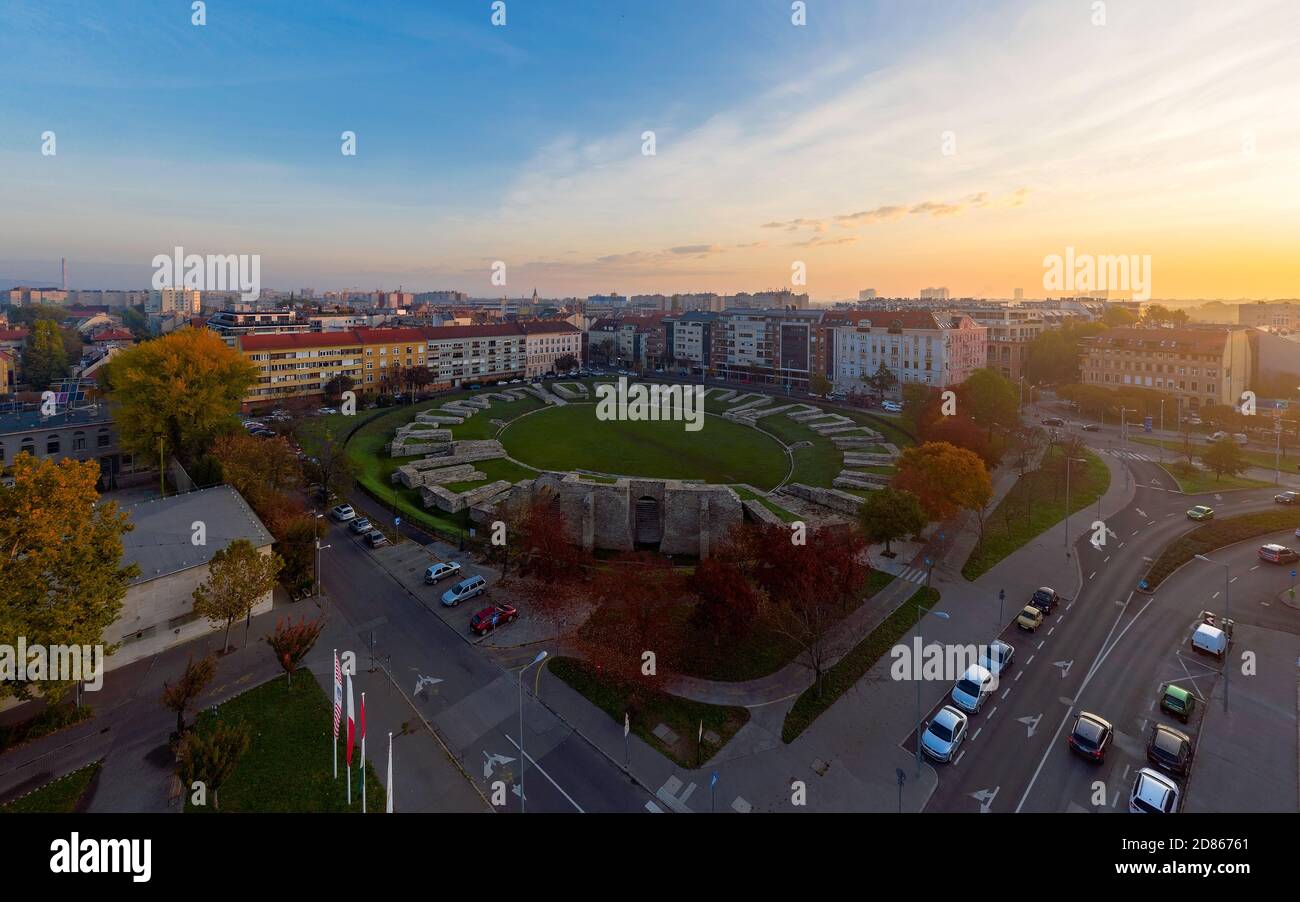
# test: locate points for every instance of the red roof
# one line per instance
(113, 335)
(18, 333)
(486, 330)
(415, 334)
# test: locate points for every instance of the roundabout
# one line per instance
(571, 438)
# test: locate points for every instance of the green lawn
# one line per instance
(815, 465)
(1035, 504)
(647, 708)
(570, 437)
(1199, 481)
(288, 766)
(58, 797)
(1264, 460)
(1216, 534)
(746, 495)
(854, 665)
(480, 425)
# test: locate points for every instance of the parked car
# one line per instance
(1153, 793)
(491, 617)
(1170, 750)
(469, 587)
(1030, 618)
(1277, 554)
(972, 689)
(943, 734)
(1177, 701)
(997, 659)
(360, 526)
(1211, 640)
(375, 538)
(891, 406)
(1052, 421)
(1287, 497)
(1091, 736)
(1201, 512)
(343, 513)
(1045, 599)
(326, 411)
(440, 571)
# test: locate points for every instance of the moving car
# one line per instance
(1153, 793)
(343, 513)
(1091, 736)
(1052, 421)
(1045, 599)
(972, 689)
(491, 617)
(360, 526)
(891, 406)
(1030, 618)
(1090, 427)
(469, 587)
(1178, 702)
(440, 571)
(1201, 512)
(997, 659)
(1277, 554)
(375, 538)
(1287, 497)
(942, 736)
(1170, 750)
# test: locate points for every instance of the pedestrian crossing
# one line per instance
(913, 575)
(1129, 455)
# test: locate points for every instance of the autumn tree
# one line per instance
(181, 695)
(944, 478)
(183, 389)
(889, 514)
(565, 363)
(292, 641)
(1224, 457)
(238, 577)
(210, 756)
(257, 468)
(728, 602)
(882, 380)
(331, 470)
(819, 385)
(633, 596)
(62, 579)
(45, 359)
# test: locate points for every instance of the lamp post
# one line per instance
(319, 546)
(523, 759)
(1162, 428)
(919, 611)
(1068, 462)
(1227, 611)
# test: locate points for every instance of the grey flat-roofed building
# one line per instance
(85, 433)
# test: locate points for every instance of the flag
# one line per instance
(627, 724)
(389, 809)
(363, 753)
(338, 694)
(352, 725)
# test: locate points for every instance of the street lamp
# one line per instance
(523, 759)
(319, 546)
(940, 614)
(1068, 461)
(1227, 611)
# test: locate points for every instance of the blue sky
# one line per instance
(522, 143)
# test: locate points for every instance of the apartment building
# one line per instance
(468, 354)
(923, 346)
(687, 338)
(300, 364)
(548, 341)
(1011, 330)
(1198, 366)
(231, 324)
(629, 341)
(1284, 316)
(387, 352)
(770, 347)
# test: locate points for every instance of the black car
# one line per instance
(1091, 736)
(1170, 750)
(1045, 599)
(1052, 421)
(1090, 427)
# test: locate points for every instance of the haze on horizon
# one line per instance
(1169, 131)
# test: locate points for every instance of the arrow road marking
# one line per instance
(1065, 667)
(985, 797)
(490, 763)
(1031, 723)
(422, 681)
(1141, 513)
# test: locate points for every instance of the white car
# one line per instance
(343, 513)
(891, 406)
(998, 657)
(972, 689)
(438, 572)
(360, 526)
(1153, 793)
(942, 736)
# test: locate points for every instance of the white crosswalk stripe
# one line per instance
(1131, 455)
(913, 575)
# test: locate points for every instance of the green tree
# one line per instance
(990, 399)
(882, 380)
(819, 385)
(210, 756)
(183, 389)
(238, 576)
(1224, 458)
(1117, 316)
(890, 514)
(45, 359)
(61, 575)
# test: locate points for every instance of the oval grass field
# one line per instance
(571, 438)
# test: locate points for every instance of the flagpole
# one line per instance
(390, 774)
(334, 746)
(363, 753)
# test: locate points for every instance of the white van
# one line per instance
(1210, 639)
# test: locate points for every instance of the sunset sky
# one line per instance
(1173, 130)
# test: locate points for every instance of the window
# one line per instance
(103, 439)
(52, 444)
(78, 441)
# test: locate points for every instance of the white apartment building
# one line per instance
(466, 354)
(927, 347)
(548, 341)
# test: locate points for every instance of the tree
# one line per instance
(1224, 457)
(238, 576)
(882, 380)
(890, 514)
(331, 471)
(990, 399)
(335, 388)
(210, 756)
(1117, 316)
(565, 363)
(61, 575)
(634, 594)
(183, 389)
(1053, 357)
(257, 468)
(819, 384)
(182, 694)
(728, 602)
(292, 641)
(418, 377)
(45, 359)
(944, 478)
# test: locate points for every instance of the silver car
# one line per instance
(975, 685)
(942, 736)
(1153, 793)
(998, 657)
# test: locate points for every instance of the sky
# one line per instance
(887, 145)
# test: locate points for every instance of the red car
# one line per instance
(489, 618)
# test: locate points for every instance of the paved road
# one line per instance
(1106, 649)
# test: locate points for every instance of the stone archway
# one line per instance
(647, 522)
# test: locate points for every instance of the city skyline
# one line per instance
(1151, 134)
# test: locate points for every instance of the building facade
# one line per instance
(546, 342)
(925, 347)
(1199, 367)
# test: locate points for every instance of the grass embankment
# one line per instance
(287, 766)
(647, 709)
(58, 797)
(1216, 534)
(854, 665)
(1199, 482)
(746, 495)
(1035, 503)
(50, 720)
(1264, 460)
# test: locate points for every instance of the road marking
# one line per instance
(985, 797)
(1107, 559)
(1168, 515)
(1065, 667)
(537, 767)
(976, 734)
(1092, 574)
(1143, 514)
(1005, 694)
(1256, 567)
(1121, 544)
(1135, 532)
(1031, 722)
(1151, 523)
(1052, 630)
(1115, 801)
(1214, 596)
(1020, 674)
(959, 757)
(1128, 766)
(1030, 661)
(1233, 580)
(1041, 642)
(991, 713)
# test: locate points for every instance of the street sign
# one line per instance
(1146, 424)
(397, 521)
